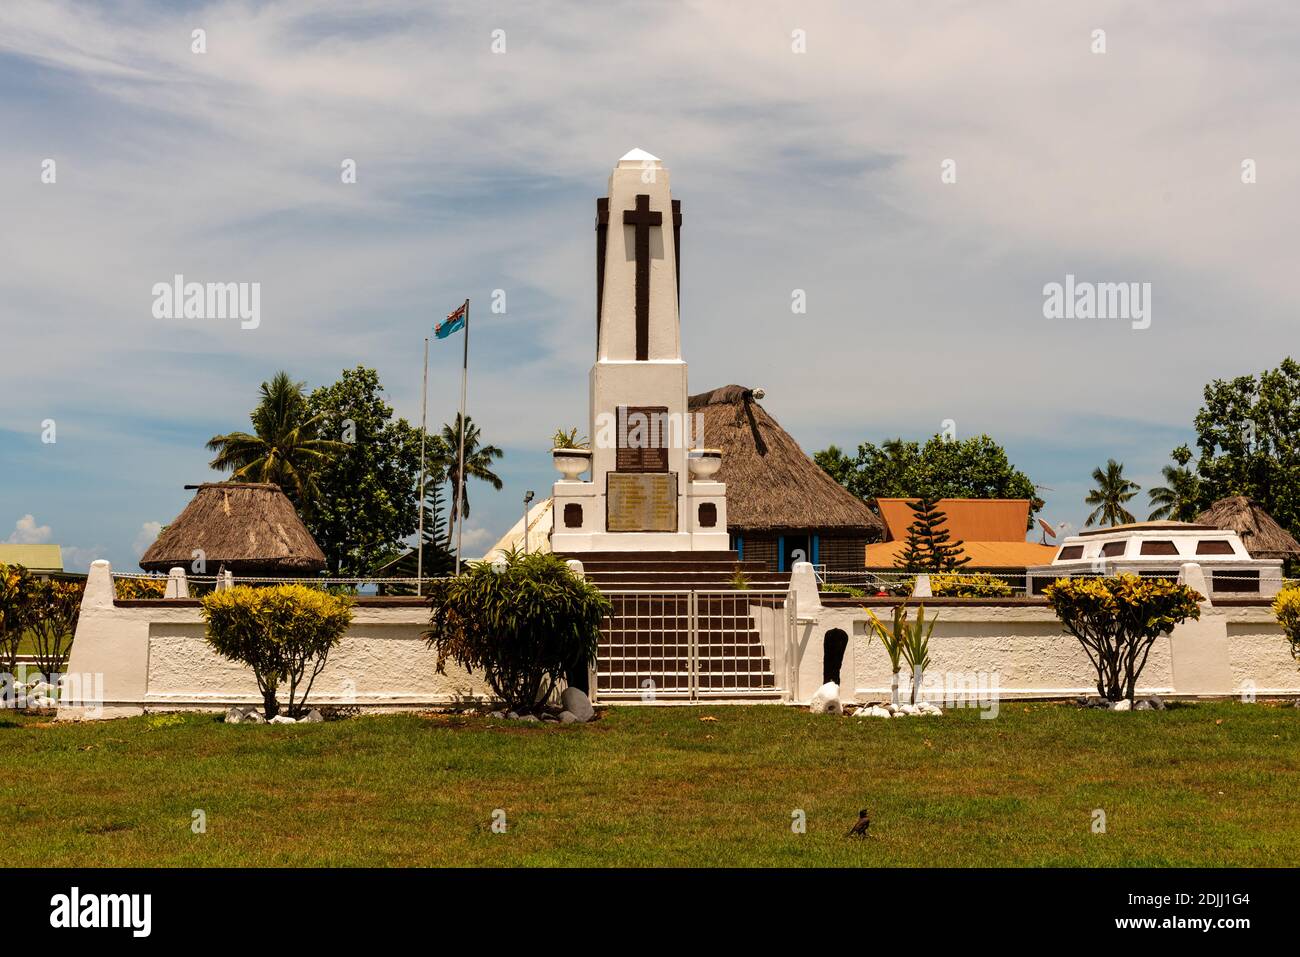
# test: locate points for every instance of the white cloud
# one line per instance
(76, 559)
(147, 535)
(27, 532)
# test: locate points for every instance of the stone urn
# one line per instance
(704, 463)
(571, 462)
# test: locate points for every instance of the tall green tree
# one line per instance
(1179, 499)
(976, 467)
(368, 501)
(1248, 437)
(1112, 493)
(928, 547)
(478, 464)
(285, 447)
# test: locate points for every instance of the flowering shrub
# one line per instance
(1117, 620)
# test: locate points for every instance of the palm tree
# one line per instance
(284, 447)
(1178, 499)
(478, 464)
(1112, 491)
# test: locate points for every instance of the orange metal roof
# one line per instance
(969, 519)
(982, 554)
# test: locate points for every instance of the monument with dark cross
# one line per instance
(650, 486)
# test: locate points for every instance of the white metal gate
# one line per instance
(692, 645)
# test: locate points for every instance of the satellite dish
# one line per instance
(1047, 530)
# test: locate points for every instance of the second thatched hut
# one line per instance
(246, 528)
(781, 505)
(1259, 531)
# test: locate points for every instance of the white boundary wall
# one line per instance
(1231, 650)
(154, 658)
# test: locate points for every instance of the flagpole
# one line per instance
(424, 414)
(460, 472)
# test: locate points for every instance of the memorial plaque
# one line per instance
(641, 502)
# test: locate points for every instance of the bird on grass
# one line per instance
(859, 829)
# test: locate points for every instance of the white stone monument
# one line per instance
(650, 487)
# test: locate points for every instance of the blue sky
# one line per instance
(477, 171)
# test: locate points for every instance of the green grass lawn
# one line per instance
(1203, 784)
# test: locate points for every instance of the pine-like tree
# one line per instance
(439, 559)
(929, 547)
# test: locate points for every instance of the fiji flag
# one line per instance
(453, 323)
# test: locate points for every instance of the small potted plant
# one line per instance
(704, 463)
(571, 454)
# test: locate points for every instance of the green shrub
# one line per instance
(1117, 620)
(280, 632)
(524, 621)
(837, 588)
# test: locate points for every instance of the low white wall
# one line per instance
(1232, 650)
(153, 656)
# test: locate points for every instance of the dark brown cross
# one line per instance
(642, 218)
(602, 226)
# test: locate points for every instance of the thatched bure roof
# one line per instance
(249, 528)
(1259, 531)
(771, 484)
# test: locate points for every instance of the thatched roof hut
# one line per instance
(779, 499)
(248, 528)
(1259, 531)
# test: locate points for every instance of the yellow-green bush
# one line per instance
(132, 588)
(968, 585)
(279, 632)
(1118, 619)
(1286, 606)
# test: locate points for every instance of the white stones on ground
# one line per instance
(826, 700)
(530, 718)
(928, 708)
(1124, 705)
(1142, 706)
(496, 714)
(568, 717)
(576, 702)
(235, 716)
(254, 717)
(872, 711)
(314, 717)
(283, 719)
(39, 687)
(908, 709)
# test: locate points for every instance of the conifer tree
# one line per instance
(929, 547)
